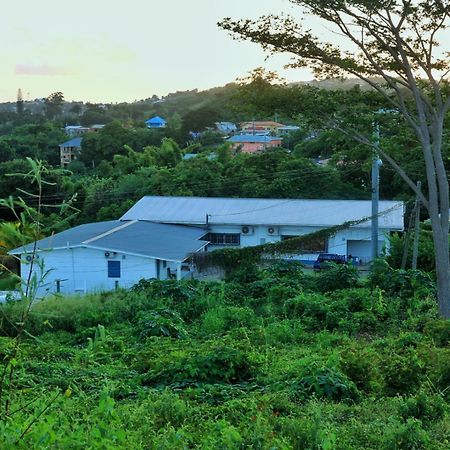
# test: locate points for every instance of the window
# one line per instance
(223, 238)
(309, 244)
(113, 269)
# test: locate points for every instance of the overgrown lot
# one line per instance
(282, 360)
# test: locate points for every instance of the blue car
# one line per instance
(324, 258)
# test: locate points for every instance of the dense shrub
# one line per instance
(223, 364)
(161, 322)
(360, 365)
(407, 436)
(403, 283)
(324, 382)
(223, 318)
(402, 371)
(423, 406)
(337, 276)
(439, 331)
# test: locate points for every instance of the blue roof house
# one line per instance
(70, 150)
(106, 255)
(156, 122)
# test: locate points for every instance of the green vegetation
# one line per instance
(284, 360)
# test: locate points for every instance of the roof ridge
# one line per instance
(107, 233)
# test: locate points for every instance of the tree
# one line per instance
(53, 104)
(394, 48)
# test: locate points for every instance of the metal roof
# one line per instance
(252, 138)
(253, 211)
(75, 142)
(155, 119)
(167, 242)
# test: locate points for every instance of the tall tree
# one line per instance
(396, 47)
(53, 104)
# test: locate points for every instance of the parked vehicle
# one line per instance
(324, 258)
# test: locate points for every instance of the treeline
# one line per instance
(125, 160)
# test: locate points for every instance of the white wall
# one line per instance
(86, 270)
(354, 241)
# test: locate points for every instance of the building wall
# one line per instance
(254, 147)
(82, 270)
(354, 241)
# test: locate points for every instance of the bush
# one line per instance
(337, 276)
(439, 331)
(402, 371)
(223, 364)
(162, 322)
(424, 406)
(324, 382)
(223, 318)
(406, 284)
(360, 365)
(407, 436)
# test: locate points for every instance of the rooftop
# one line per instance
(75, 142)
(255, 211)
(156, 240)
(253, 138)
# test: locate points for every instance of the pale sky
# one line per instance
(111, 50)
(115, 50)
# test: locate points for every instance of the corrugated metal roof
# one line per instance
(240, 211)
(167, 242)
(75, 142)
(252, 138)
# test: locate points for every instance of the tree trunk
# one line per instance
(440, 239)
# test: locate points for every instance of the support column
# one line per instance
(178, 271)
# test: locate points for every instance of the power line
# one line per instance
(173, 183)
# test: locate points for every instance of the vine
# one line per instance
(230, 258)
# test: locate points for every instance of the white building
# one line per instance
(105, 255)
(247, 222)
(157, 236)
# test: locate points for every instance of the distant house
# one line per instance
(252, 143)
(75, 130)
(226, 127)
(96, 127)
(78, 130)
(287, 129)
(261, 127)
(156, 122)
(70, 151)
(106, 255)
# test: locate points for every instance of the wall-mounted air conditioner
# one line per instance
(272, 231)
(110, 255)
(247, 230)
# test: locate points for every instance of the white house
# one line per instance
(105, 255)
(245, 222)
(157, 236)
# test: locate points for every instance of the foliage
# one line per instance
(275, 362)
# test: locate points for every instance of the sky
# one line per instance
(113, 51)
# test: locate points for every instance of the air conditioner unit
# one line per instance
(272, 231)
(110, 255)
(247, 230)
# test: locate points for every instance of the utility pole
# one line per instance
(376, 164)
(416, 229)
(406, 238)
